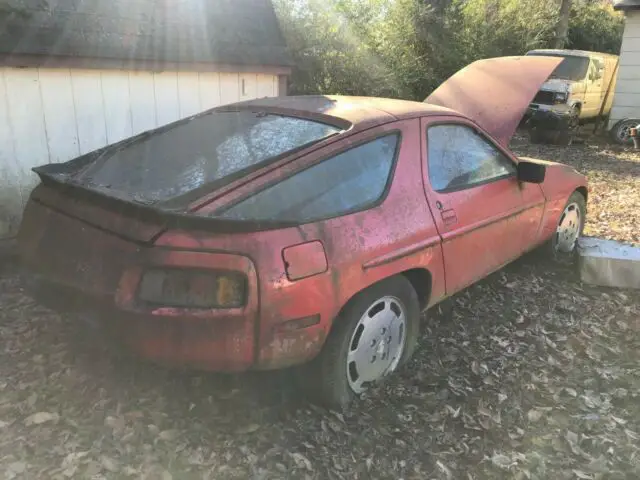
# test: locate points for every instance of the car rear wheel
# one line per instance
(563, 243)
(375, 334)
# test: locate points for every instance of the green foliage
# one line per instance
(595, 26)
(405, 48)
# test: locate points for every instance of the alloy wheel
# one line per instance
(377, 343)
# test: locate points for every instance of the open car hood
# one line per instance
(495, 92)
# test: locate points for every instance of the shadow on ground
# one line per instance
(527, 356)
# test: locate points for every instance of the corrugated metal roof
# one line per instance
(626, 5)
(563, 52)
(244, 32)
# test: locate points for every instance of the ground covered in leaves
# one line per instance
(614, 182)
(534, 375)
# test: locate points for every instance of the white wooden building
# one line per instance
(626, 101)
(77, 75)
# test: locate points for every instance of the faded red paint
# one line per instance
(495, 92)
(496, 222)
(299, 278)
(560, 183)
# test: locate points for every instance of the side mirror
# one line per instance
(529, 172)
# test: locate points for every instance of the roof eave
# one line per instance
(61, 61)
(623, 7)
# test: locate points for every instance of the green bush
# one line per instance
(406, 48)
(595, 26)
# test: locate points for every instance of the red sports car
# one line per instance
(294, 230)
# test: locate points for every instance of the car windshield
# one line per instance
(206, 149)
(571, 68)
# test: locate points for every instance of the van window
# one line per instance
(572, 67)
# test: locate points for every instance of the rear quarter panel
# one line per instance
(361, 249)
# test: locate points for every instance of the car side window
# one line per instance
(460, 158)
(338, 185)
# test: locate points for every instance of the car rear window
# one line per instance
(345, 183)
(206, 149)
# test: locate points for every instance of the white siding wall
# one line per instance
(626, 101)
(54, 115)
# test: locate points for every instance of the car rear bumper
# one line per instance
(214, 344)
(81, 267)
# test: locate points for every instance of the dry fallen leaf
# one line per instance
(444, 469)
(109, 463)
(301, 461)
(168, 435)
(249, 428)
(582, 475)
(73, 458)
(41, 417)
(534, 415)
(502, 461)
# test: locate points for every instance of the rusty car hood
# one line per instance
(495, 92)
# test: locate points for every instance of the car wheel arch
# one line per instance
(416, 277)
(583, 191)
(419, 277)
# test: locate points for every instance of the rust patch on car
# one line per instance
(290, 348)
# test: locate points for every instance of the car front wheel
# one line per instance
(375, 334)
(570, 226)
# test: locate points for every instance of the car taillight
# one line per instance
(193, 288)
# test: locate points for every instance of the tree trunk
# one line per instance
(562, 28)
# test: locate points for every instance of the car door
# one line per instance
(595, 91)
(486, 218)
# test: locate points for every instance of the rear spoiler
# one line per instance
(51, 177)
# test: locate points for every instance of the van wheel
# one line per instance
(375, 334)
(566, 136)
(621, 131)
(535, 136)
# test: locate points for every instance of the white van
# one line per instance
(581, 87)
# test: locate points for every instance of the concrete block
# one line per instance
(608, 263)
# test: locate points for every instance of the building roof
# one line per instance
(627, 5)
(357, 113)
(145, 34)
(564, 52)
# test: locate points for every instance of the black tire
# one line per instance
(551, 247)
(566, 137)
(619, 132)
(535, 136)
(327, 374)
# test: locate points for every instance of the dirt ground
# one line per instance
(535, 376)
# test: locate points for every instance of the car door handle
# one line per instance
(449, 216)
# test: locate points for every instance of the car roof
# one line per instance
(353, 112)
